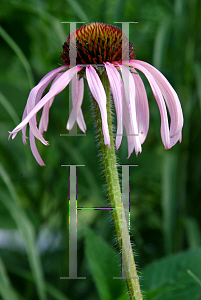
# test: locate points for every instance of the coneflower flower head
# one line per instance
(98, 44)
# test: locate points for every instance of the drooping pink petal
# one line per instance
(32, 122)
(129, 89)
(165, 134)
(24, 137)
(44, 120)
(175, 139)
(80, 121)
(36, 93)
(34, 148)
(57, 87)
(98, 92)
(116, 88)
(170, 96)
(77, 88)
(80, 118)
(126, 123)
(142, 107)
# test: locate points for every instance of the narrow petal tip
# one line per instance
(68, 126)
(11, 133)
(117, 146)
(108, 146)
(138, 151)
(24, 140)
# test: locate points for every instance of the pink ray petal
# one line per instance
(77, 99)
(24, 137)
(129, 89)
(98, 92)
(175, 139)
(165, 135)
(31, 104)
(44, 120)
(57, 87)
(126, 123)
(142, 107)
(80, 121)
(34, 149)
(116, 88)
(36, 93)
(170, 97)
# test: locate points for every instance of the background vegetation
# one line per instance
(165, 187)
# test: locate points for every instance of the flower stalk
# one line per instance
(114, 194)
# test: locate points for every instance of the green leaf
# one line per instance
(104, 264)
(174, 277)
(27, 230)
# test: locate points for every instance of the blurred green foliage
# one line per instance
(165, 187)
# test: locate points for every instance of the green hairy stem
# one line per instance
(114, 194)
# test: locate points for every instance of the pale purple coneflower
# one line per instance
(102, 44)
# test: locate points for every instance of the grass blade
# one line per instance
(119, 10)
(51, 290)
(54, 23)
(197, 70)
(19, 53)
(193, 232)
(78, 10)
(9, 108)
(27, 231)
(168, 199)
(160, 40)
(6, 290)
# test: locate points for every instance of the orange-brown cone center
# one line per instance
(97, 43)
